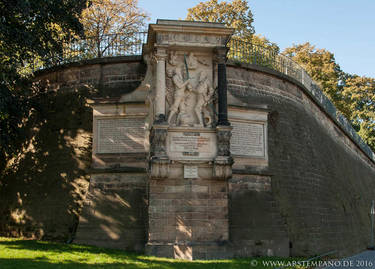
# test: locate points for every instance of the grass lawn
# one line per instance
(18, 254)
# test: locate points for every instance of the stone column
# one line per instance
(222, 86)
(160, 56)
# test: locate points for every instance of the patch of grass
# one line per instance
(18, 253)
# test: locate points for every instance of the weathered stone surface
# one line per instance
(187, 212)
(256, 224)
(321, 182)
(42, 191)
(115, 212)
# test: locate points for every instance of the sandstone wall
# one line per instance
(115, 212)
(312, 195)
(43, 189)
(317, 179)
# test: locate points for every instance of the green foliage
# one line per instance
(235, 14)
(359, 97)
(320, 64)
(15, 253)
(260, 40)
(352, 95)
(32, 28)
(245, 47)
(28, 30)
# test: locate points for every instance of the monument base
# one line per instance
(188, 217)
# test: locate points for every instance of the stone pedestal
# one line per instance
(188, 193)
(189, 160)
(188, 218)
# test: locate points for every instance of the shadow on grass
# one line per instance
(44, 263)
(79, 256)
(58, 247)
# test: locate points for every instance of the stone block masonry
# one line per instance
(321, 182)
(188, 217)
(115, 212)
(256, 226)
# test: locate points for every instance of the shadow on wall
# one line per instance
(42, 189)
(114, 217)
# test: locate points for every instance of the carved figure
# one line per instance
(192, 62)
(185, 117)
(179, 92)
(204, 93)
(173, 58)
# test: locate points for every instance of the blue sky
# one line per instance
(344, 27)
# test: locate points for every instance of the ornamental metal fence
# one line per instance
(130, 44)
(245, 52)
(110, 45)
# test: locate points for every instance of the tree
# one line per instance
(359, 96)
(235, 14)
(104, 20)
(245, 45)
(320, 64)
(33, 28)
(352, 95)
(262, 41)
(28, 30)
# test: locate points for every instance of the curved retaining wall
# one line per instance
(311, 197)
(322, 183)
(44, 188)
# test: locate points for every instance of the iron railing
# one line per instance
(245, 52)
(111, 45)
(125, 44)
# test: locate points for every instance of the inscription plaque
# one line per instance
(191, 145)
(122, 135)
(190, 171)
(247, 139)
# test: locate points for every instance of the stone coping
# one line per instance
(104, 60)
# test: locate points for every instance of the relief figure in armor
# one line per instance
(179, 92)
(191, 95)
(204, 93)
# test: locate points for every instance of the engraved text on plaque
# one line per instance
(121, 135)
(247, 139)
(195, 145)
(190, 171)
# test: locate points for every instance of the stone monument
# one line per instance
(189, 135)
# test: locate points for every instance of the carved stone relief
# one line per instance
(158, 138)
(223, 142)
(190, 95)
(183, 38)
